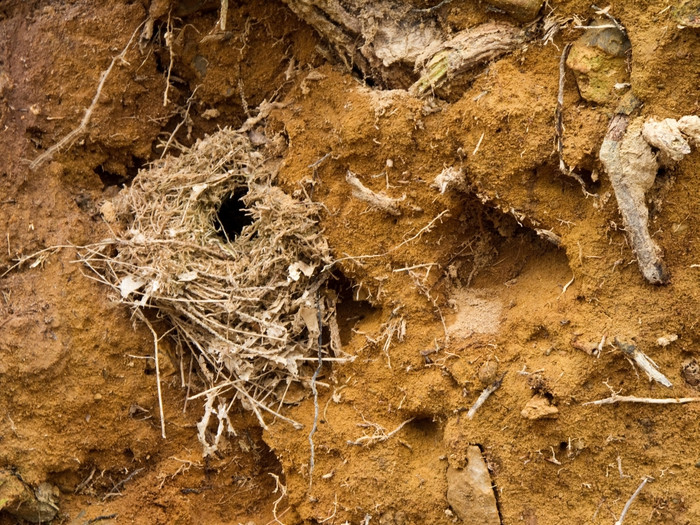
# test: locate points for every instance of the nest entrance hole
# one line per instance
(232, 215)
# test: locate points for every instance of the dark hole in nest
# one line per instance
(232, 217)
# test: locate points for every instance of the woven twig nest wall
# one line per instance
(250, 308)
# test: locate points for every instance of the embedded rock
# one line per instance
(470, 493)
(539, 407)
(599, 62)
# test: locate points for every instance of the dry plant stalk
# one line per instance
(631, 500)
(245, 306)
(377, 200)
(635, 355)
(615, 398)
(223, 14)
(485, 394)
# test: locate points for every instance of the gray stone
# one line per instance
(539, 407)
(599, 62)
(469, 491)
(19, 500)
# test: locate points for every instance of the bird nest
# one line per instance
(251, 306)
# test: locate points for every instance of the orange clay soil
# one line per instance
(435, 303)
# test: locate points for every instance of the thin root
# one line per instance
(73, 135)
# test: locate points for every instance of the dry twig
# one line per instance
(614, 398)
(631, 500)
(642, 361)
(115, 489)
(485, 395)
(376, 200)
(223, 14)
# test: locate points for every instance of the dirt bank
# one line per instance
(512, 269)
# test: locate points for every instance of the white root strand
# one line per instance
(630, 501)
(157, 363)
(484, 396)
(649, 400)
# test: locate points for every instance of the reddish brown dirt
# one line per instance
(77, 385)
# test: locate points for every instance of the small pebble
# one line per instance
(487, 372)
